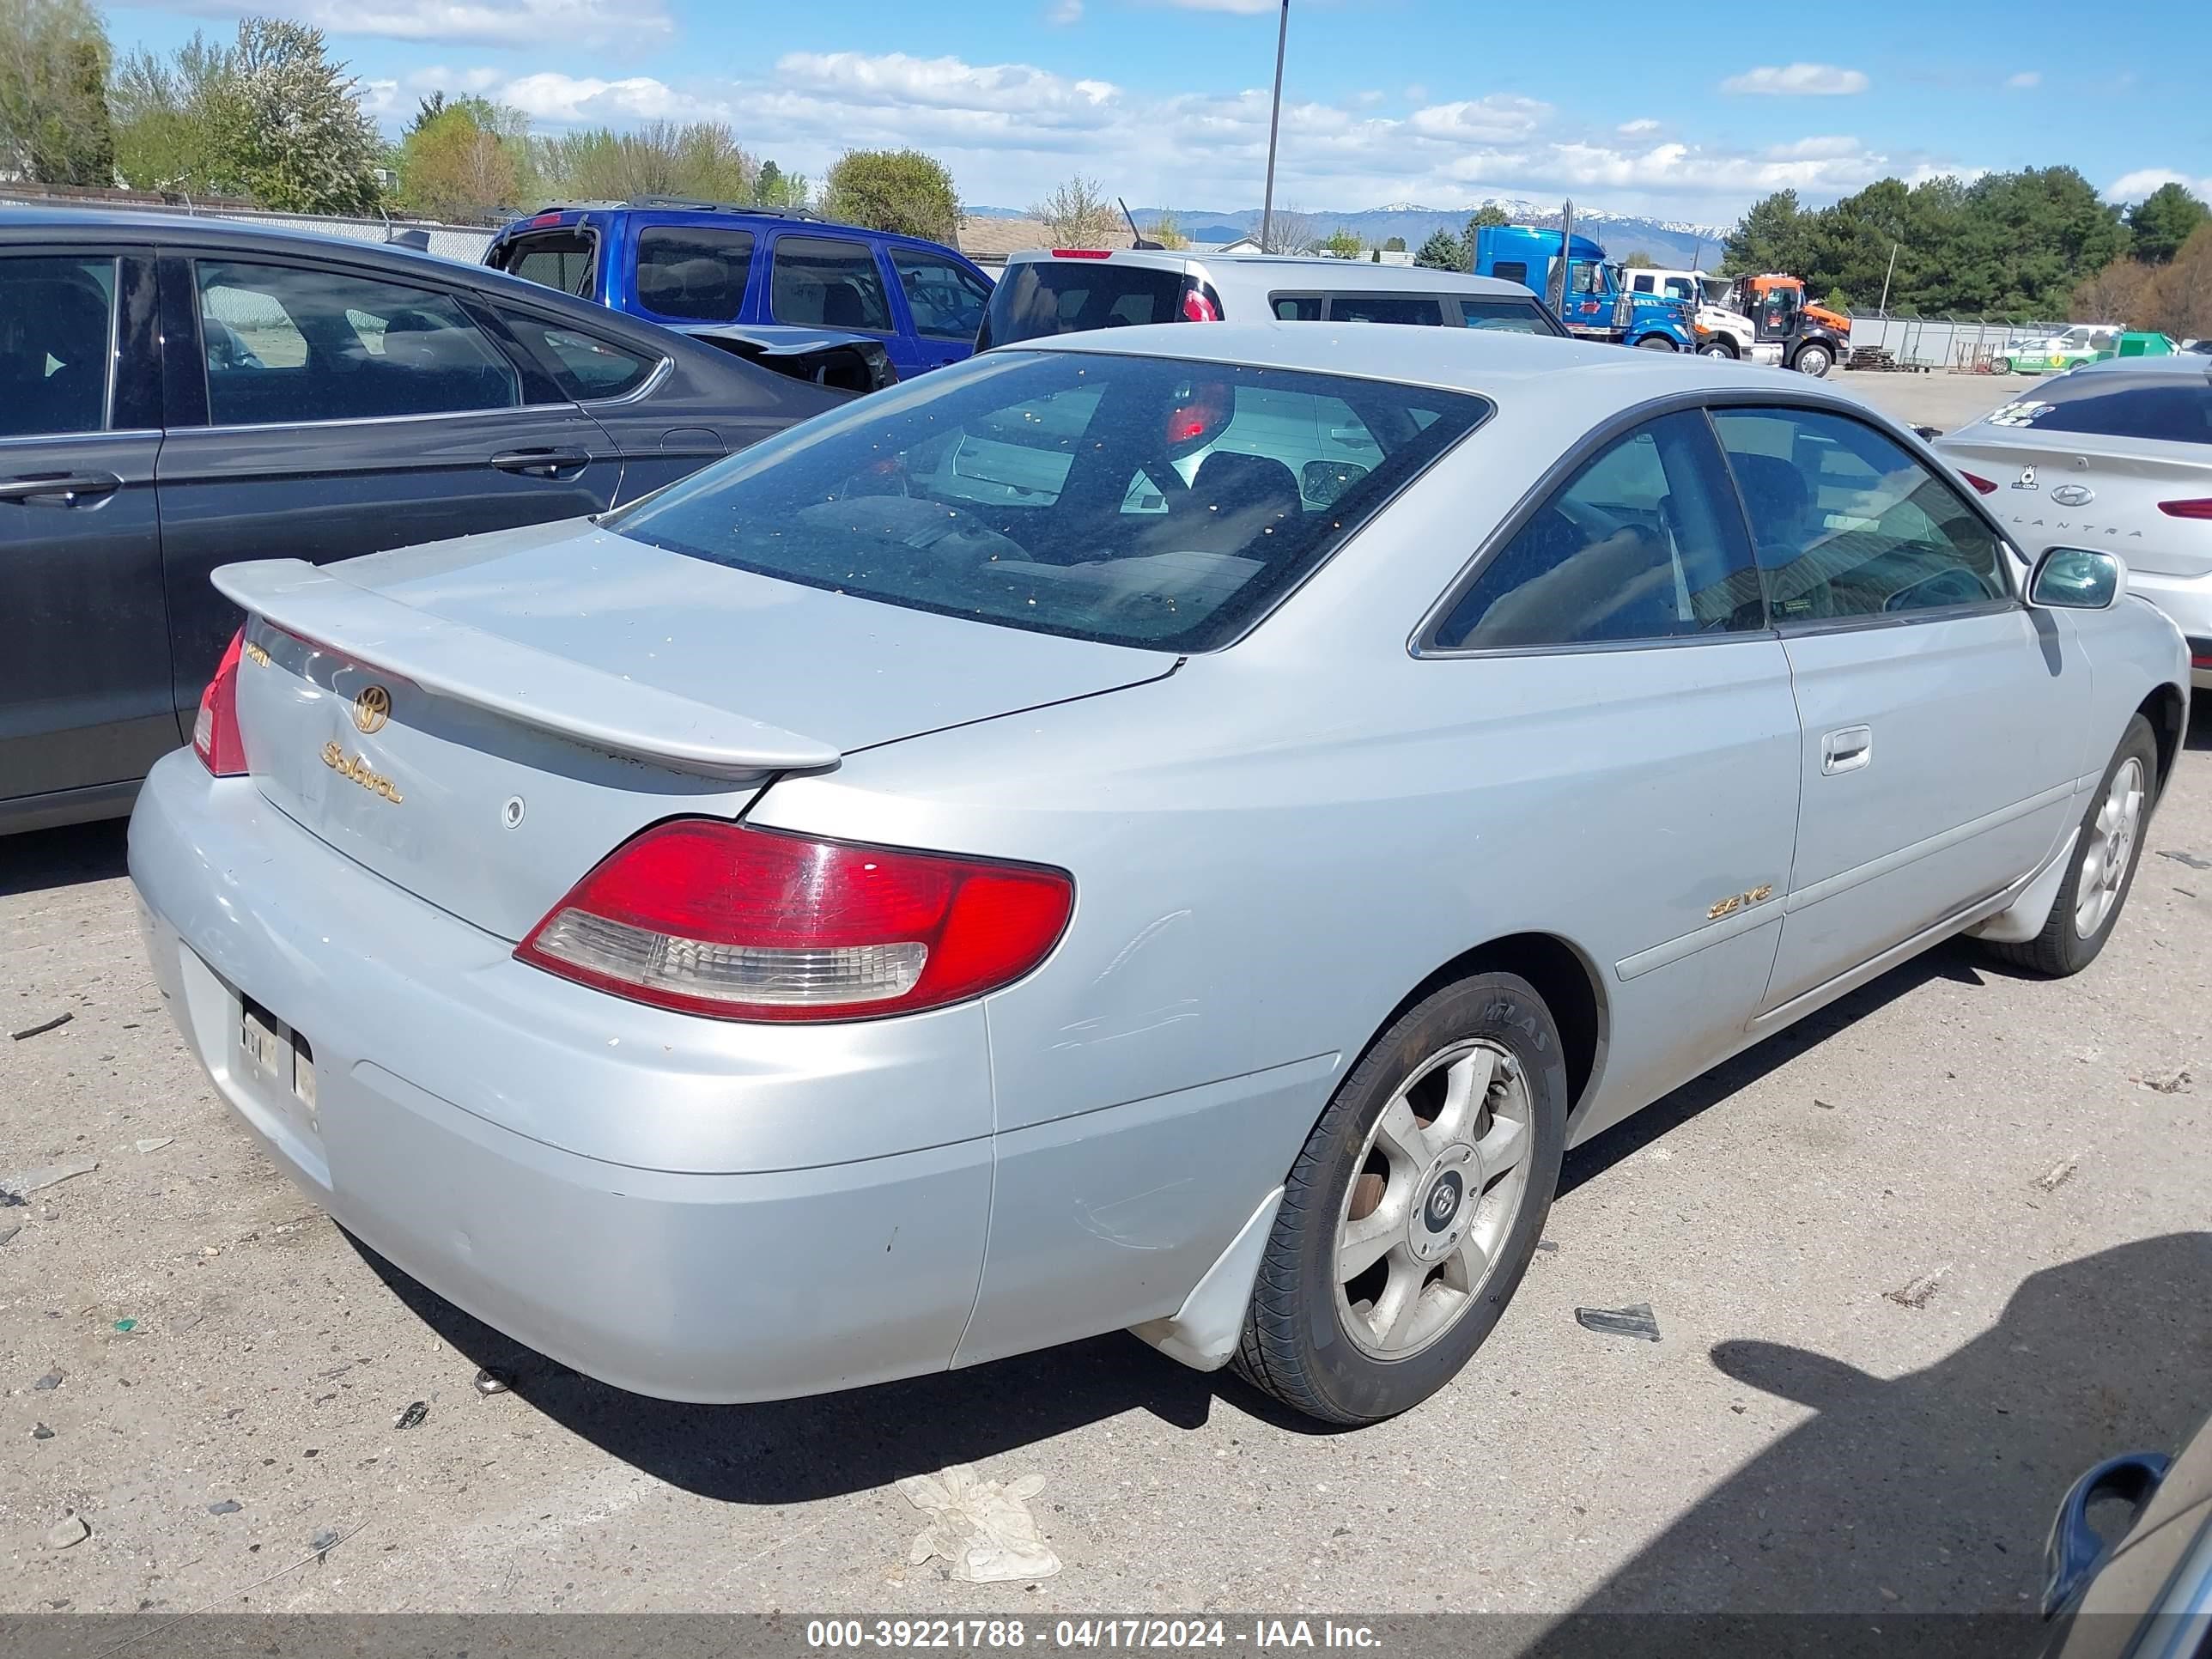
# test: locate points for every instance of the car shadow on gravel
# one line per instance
(1958, 960)
(43, 859)
(1932, 1491)
(793, 1451)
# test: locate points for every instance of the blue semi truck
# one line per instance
(1595, 303)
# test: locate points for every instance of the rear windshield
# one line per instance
(1064, 296)
(2169, 408)
(1132, 500)
(558, 258)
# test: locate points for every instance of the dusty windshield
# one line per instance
(1135, 501)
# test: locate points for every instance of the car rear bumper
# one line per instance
(2188, 601)
(643, 1196)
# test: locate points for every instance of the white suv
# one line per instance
(1065, 291)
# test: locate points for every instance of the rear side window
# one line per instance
(697, 275)
(1424, 309)
(1134, 501)
(2174, 408)
(57, 334)
(557, 258)
(1643, 542)
(1510, 271)
(584, 366)
(1066, 296)
(1511, 316)
(286, 344)
(828, 283)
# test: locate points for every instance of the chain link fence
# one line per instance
(465, 243)
(1964, 345)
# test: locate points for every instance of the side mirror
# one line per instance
(2077, 579)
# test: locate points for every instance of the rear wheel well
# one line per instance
(2167, 711)
(1561, 977)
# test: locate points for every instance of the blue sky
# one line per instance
(1440, 102)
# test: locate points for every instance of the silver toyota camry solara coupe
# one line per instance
(1173, 827)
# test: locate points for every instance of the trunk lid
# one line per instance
(2083, 490)
(482, 721)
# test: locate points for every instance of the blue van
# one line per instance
(684, 263)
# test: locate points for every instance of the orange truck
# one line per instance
(1789, 328)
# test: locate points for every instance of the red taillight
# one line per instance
(1197, 308)
(2200, 508)
(1200, 416)
(545, 219)
(214, 729)
(713, 918)
(1081, 253)
(1980, 482)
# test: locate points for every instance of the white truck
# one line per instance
(1722, 332)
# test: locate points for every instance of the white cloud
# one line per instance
(1482, 120)
(1632, 128)
(377, 98)
(568, 99)
(1064, 12)
(2134, 186)
(2025, 79)
(439, 78)
(1011, 131)
(480, 22)
(1798, 80)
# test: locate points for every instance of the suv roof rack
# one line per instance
(687, 204)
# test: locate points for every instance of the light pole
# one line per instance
(1886, 276)
(1274, 121)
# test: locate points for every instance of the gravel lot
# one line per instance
(1818, 1429)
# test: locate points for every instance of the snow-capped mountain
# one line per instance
(1672, 242)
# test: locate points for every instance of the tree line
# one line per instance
(269, 117)
(2039, 243)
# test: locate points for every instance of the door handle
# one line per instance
(542, 462)
(1846, 749)
(60, 489)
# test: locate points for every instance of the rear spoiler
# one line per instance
(530, 687)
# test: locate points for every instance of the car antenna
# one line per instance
(1142, 242)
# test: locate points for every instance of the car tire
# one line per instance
(2002, 366)
(1716, 349)
(1655, 343)
(2101, 867)
(1482, 1058)
(1816, 361)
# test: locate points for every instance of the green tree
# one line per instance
(165, 116)
(1343, 243)
(466, 159)
(1774, 235)
(1639, 260)
(287, 128)
(896, 190)
(1167, 233)
(2163, 220)
(54, 122)
(1077, 215)
(699, 159)
(1442, 252)
(1488, 216)
(1395, 245)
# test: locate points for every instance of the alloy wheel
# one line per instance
(1433, 1199)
